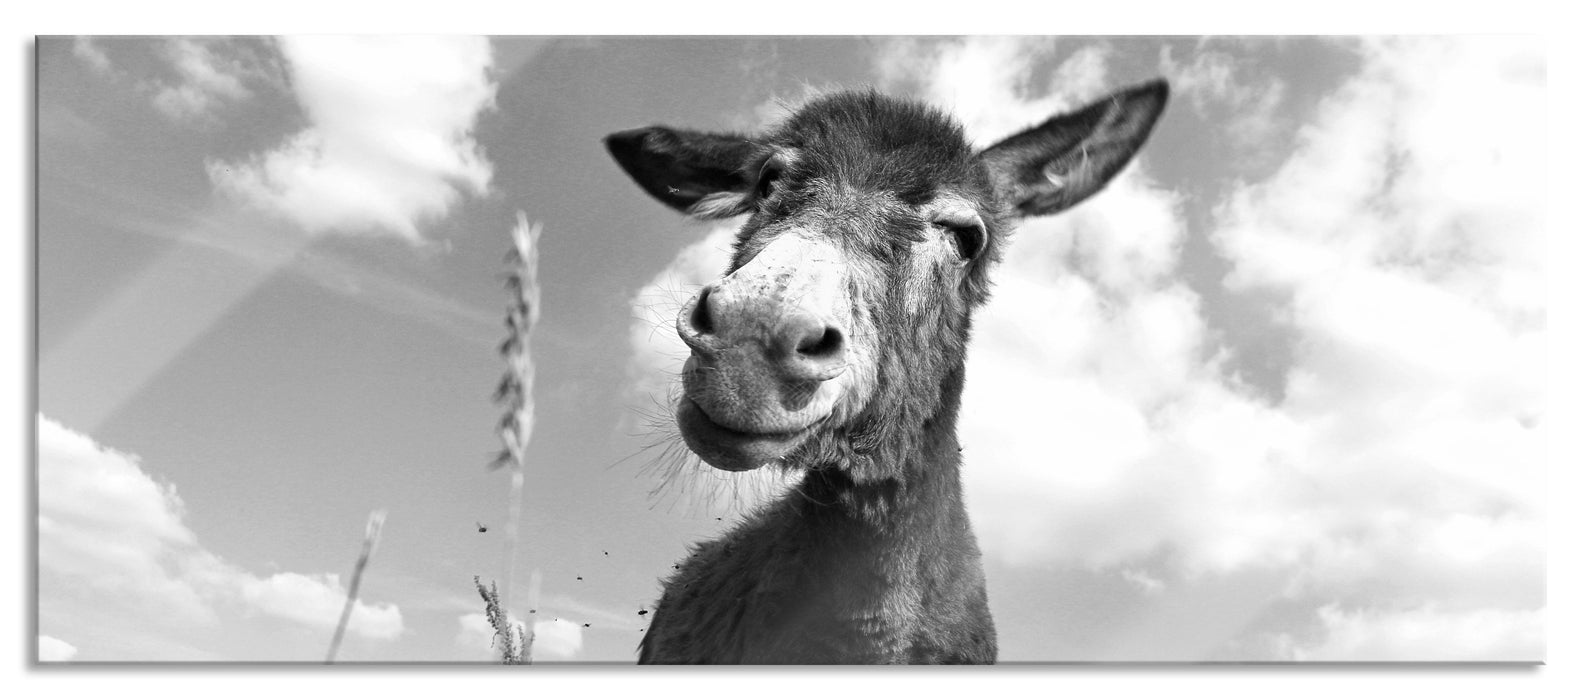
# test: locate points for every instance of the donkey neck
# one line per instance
(918, 488)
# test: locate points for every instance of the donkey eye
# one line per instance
(966, 233)
(768, 176)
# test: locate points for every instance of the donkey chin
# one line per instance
(738, 414)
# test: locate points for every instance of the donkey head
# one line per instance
(839, 329)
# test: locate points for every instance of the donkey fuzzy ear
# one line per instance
(1067, 159)
(686, 168)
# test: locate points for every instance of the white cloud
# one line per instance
(1426, 634)
(1142, 580)
(474, 633)
(389, 140)
(105, 523)
(1439, 182)
(1217, 86)
(207, 80)
(88, 51)
(982, 81)
(317, 601)
(557, 640)
(111, 536)
(189, 80)
(52, 649)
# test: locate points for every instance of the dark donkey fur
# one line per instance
(872, 558)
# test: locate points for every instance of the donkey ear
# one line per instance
(1067, 159)
(684, 168)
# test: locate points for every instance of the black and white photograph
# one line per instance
(783, 349)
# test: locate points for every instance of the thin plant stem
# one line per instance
(376, 521)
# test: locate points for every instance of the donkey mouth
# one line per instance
(730, 449)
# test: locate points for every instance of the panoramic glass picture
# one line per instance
(790, 350)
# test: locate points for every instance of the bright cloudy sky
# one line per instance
(1279, 393)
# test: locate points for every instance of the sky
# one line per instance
(1278, 393)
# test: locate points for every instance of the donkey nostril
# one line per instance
(817, 352)
(702, 321)
(821, 345)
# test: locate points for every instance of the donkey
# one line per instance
(835, 344)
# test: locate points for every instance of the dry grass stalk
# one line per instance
(515, 392)
(376, 523)
(515, 640)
